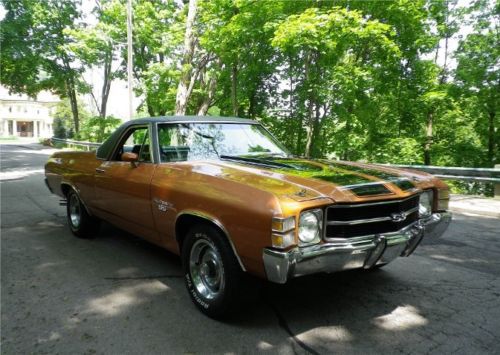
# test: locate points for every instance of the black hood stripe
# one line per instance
(403, 183)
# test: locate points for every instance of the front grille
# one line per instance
(354, 220)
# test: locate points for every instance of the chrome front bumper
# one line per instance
(359, 252)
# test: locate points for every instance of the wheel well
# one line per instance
(65, 188)
(186, 221)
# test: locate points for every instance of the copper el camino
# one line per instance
(229, 198)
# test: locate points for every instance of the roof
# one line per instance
(106, 147)
(42, 97)
(189, 119)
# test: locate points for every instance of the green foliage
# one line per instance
(398, 151)
(97, 129)
(359, 80)
(97, 46)
(157, 36)
(34, 55)
(63, 125)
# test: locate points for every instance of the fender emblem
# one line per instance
(162, 205)
(398, 217)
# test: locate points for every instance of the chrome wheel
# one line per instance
(206, 269)
(74, 210)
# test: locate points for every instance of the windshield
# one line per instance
(200, 141)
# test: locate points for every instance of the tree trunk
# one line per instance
(205, 105)
(310, 130)
(310, 107)
(234, 87)
(182, 97)
(299, 134)
(252, 104)
(313, 133)
(151, 110)
(428, 140)
(71, 93)
(491, 137)
(106, 86)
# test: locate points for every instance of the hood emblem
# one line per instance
(398, 217)
(301, 193)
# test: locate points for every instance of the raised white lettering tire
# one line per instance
(213, 277)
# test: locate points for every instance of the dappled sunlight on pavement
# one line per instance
(118, 294)
(402, 318)
(125, 296)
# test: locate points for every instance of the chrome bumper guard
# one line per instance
(359, 252)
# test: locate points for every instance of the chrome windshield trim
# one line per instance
(368, 220)
(207, 121)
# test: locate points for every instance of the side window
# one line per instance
(135, 141)
(173, 144)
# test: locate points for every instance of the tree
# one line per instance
(97, 46)
(187, 78)
(478, 74)
(334, 47)
(34, 55)
(157, 37)
(64, 125)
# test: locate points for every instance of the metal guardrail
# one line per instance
(484, 175)
(72, 143)
(456, 173)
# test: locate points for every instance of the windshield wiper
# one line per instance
(268, 154)
(256, 161)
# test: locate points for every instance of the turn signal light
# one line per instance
(283, 225)
(283, 241)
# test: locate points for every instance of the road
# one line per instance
(116, 294)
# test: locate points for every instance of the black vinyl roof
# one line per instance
(107, 146)
(188, 119)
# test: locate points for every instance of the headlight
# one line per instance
(310, 226)
(425, 204)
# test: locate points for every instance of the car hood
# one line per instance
(302, 180)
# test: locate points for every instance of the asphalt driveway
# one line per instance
(117, 294)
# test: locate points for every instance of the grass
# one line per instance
(9, 138)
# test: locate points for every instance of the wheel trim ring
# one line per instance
(74, 211)
(206, 269)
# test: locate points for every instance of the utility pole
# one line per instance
(129, 59)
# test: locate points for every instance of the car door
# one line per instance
(122, 188)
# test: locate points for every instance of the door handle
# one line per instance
(100, 171)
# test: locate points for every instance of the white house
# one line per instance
(23, 116)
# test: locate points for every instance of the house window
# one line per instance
(10, 108)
